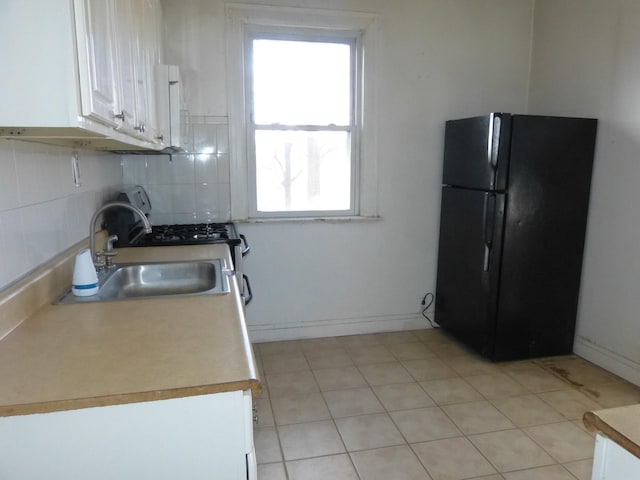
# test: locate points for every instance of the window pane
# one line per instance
(301, 170)
(301, 83)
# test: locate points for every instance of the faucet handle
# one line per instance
(108, 244)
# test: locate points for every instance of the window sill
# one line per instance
(346, 219)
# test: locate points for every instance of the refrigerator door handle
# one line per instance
(488, 216)
(493, 144)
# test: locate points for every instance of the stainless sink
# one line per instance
(145, 280)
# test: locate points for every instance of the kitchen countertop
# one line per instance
(73, 356)
(621, 424)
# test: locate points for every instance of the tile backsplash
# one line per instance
(42, 212)
(191, 187)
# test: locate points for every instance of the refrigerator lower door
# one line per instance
(469, 256)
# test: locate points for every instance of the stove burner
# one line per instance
(191, 234)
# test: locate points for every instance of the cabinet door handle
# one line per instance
(120, 116)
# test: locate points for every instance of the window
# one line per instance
(302, 148)
(296, 81)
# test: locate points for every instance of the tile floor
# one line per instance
(417, 405)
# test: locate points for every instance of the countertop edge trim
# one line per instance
(252, 384)
(594, 423)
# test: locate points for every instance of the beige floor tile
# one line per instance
(614, 394)
(315, 439)
(370, 354)
(511, 450)
(354, 341)
(571, 403)
(369, 431)
(410, 351)
(448, 348)
(271, 348)
(526, 410)
(385, 373)
(334, 467)
(292, 383)
(258, 359)
(265, 440)
(355, 401)
(496, 385)
(517, 365)
(477, 417)
(497, 476)
(552, 472)
(272, 471)
(397, 337)
(329, 358)
(537, 380)
(284, 362)
(424, 424)
(466, 365)
(427, 335)
(264, 392)
(402, 396)
(580, 469)
(390, 463)
(310, 345)
(264, 412)
(580, 424)
(339, 378)
(452, 459)
(451, 390)
(563, 441)
(428, 369)
(299, 408)
(578, 371)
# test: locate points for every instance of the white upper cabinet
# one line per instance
(96, 59)
(123, 27)
(137, 53)
(81, 72)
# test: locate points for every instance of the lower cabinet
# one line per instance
(199, 437)
(613, 462)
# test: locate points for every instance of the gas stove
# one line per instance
(191, 234)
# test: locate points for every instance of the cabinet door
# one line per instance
(145, 56)
(98, 75)
(125, 37)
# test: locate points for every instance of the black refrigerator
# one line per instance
(515, 198)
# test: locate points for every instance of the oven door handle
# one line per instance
(247, 248)
(247, 294)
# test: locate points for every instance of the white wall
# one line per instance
(586, 62)
(438, 59)
(42, 212)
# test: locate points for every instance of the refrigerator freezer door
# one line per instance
(476, 152)
(468, 265)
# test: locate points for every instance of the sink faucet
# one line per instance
(92, 226)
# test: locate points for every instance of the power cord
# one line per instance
(426, 306)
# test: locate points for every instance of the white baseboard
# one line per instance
(607, 359)
(335, 328)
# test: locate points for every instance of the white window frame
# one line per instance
(241, 21)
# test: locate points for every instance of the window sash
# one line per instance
(306, 35)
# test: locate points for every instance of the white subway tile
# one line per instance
(8, 177)
(206, 169)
